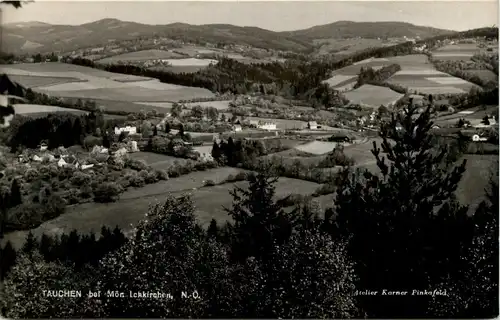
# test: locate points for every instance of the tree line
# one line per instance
(73, 248)
(60, 129)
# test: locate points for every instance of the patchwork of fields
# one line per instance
(83, 82)
(463, 51)
(417, 74)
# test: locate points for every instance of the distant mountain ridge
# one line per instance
(351, 29)
(28, 37)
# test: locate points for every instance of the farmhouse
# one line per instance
(128, 129)
(264, 125)
(237, 128)
(312, 125)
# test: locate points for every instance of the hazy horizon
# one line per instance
(271, 15)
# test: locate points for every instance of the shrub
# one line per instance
(86, 191)
(327, 188)
(31, 175)
(71, 196)
(151, 177)
(79, 178)
(209, 183)
(161, 174)
(90, 141)
(25, 216)
(53, 207)
(136, 181)
(107, 192)
(137, 165)
(240, 176)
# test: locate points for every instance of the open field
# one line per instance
(339, 80)
(58, 69)
(219, 105)
(206, 149)
(143, 55)
(462, 51)
(125, 106)
(374, 96)
(194, 50)
(190, 62)
(132, 206)
(345, 46)
(27, 109)
(38, 81)
(155, 160)
(431, 82)
(133, 93)
(361, 152)
(179, 69)
(102, 85)
(317, 147)
(472, 114)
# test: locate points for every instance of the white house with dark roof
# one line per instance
(128, 129)
(312, 125)
(266, 125)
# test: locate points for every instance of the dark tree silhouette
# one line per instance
(396, 219)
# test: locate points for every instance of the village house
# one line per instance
(265, 125)
(128, 129)
(237, 128)
(312, 125)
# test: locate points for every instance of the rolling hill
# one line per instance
(368, 30)
(28, 37)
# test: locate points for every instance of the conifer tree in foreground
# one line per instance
(406, 229)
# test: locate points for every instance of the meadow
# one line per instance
(317, 147)
(40, 81)
(345, 46)
(142, 55)
(219, 105)
(100, 85)
(373, 96)
(451, 52)
(209, 203)
(58, 69)
(38, 110)
(156, 160)
(178, 69)
(417, 74)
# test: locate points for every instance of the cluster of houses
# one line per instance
(64, 159)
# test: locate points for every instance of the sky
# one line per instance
(271, 15)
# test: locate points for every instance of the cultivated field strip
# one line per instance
(373, 95)
(102, 85)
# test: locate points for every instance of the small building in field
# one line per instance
(237, 128)
(128, 129)
(312, 125)
(265, 125)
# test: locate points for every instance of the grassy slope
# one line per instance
(209, 202)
